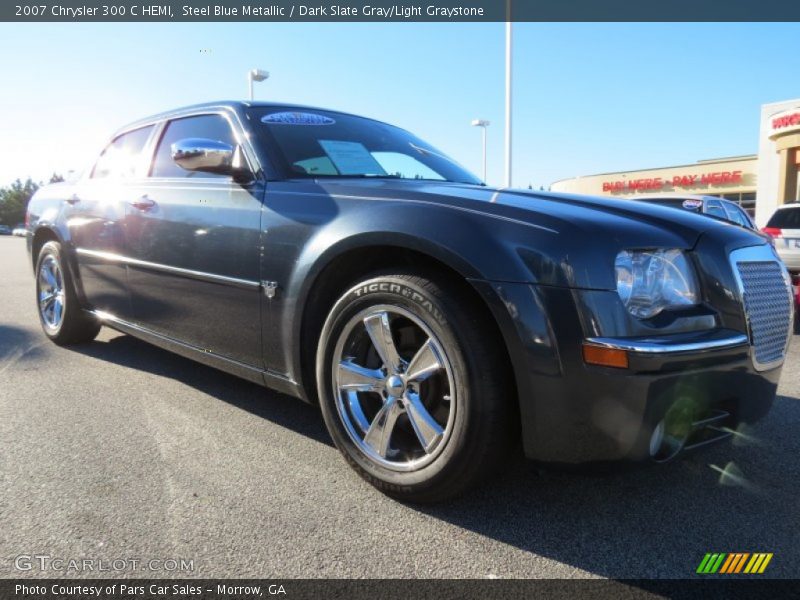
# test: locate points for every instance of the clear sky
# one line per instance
(588, 98)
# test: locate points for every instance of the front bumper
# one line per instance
(573, 412)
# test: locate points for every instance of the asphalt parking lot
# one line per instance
(117, 449)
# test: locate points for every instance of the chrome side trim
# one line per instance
(143, 264)
(653, 346)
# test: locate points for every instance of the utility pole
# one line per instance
(508, 94)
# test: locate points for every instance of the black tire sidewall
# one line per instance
(432, 309)
(76, 326)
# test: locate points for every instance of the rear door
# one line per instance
(96, 220)
(194, 242)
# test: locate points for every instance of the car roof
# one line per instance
(789, 205)
(677, 197)
(234, 105)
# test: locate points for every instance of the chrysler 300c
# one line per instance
(436, 321)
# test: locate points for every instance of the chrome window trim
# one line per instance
(161, 121)
(666, 347)
(189, 273)
(142, 161)
(762, 253)
(237, 129)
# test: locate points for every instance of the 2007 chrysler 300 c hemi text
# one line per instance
(436, 321)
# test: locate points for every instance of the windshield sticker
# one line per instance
(692, 204)
(351, 158)
(296, 118)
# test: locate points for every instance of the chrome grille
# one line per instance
(768, 304)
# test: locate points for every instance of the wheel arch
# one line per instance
(48, 233)
(339, 270)
(41, 236)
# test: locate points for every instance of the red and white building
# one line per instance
(759, 182)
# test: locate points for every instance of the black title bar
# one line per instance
(401, 11)
(391, 589)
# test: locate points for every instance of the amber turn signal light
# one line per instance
(605, 357)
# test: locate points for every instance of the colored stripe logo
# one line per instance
(734, 563)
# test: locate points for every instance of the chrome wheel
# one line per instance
(394, 388)
(51, 292)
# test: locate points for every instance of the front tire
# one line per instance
(60, 314)
(413, 387)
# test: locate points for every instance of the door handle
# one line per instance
(143, 203)
(73, 199)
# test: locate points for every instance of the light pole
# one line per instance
(255, 75)
(483, 124)
(508, 93)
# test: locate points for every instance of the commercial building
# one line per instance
(759, 183)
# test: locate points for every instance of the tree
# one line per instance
(14, 199)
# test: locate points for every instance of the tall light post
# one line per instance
(255, 75)
(483, 124)
(508, 94)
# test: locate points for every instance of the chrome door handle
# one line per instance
(73, 199)
(143, 203)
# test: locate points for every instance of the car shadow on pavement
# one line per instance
(654, 521)
(281, 409)
(18, 345)
(641, 522)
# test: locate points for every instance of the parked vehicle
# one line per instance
(784, 228)
(436, 320)
(5, 230)
(20, 232)
(712, 206)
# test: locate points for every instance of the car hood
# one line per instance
(563, 238)
(631, 223)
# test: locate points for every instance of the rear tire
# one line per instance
(413, 387)
(60, 313)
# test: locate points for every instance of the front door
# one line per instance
(194, 243)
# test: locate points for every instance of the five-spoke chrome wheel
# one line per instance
(51, 292)
(394, 386)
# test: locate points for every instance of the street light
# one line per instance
(483, 124)
(255, 75)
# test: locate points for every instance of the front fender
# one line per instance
(47, 219)
(477, 248)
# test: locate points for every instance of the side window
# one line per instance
(122, 157)
(737, 216)
(212, 127)
(714, 208)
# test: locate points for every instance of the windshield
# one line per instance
(316, 144)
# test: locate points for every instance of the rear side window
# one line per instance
(122, 158)
(738, 216)
(211, 127)
(714, 208)
(786, 218)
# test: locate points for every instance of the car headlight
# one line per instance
(649, 281)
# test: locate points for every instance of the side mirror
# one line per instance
(210, 156)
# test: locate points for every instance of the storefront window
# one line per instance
(748, 203)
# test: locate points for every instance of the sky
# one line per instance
(588, 97)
